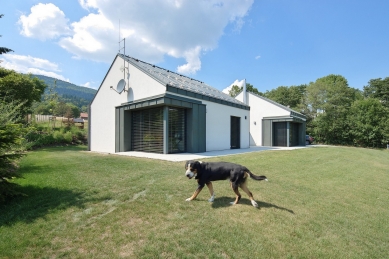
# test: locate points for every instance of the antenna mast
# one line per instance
(124, 51)
(120, 41)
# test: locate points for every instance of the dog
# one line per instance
(205, 173)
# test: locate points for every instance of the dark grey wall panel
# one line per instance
(165, 130)
(195, 132)
(267, 133)
(126, 131)
(202, 129)
(117, 130)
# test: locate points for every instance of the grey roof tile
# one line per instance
(167, 77)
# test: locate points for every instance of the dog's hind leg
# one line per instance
(243, 186)
(210, 188)
(238, 196)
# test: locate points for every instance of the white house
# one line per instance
(272, 124)
(142, 107)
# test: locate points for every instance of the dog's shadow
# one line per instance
(222, 202)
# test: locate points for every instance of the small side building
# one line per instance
(273, 124)
(142, 107)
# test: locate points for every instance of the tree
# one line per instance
(250, 88)
(235, 90)
(368, 120)
(327, 102)
(20, 88)
(379, 89)
(288, 96)
(4, 50)
(62, 109)
(11, 148)
(75, 111)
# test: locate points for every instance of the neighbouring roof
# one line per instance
(167, 77)
(84, 114)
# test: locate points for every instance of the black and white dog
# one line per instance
(205, 173)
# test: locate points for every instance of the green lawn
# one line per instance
(325, 202)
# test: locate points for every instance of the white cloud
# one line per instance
(257, 57)
(36, 71)
(193, 58)
(92, 38)
(236, 82)
(28, 64)
(89, 85)
(46, 21)
(154, 28)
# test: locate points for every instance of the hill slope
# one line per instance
(69, 92)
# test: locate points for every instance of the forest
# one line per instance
(62, 98)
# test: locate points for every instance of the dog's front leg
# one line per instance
(198, 190)
(210, 188)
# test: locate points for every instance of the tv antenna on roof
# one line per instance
(120, 41)
(121, 85)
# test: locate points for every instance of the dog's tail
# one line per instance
(257, 177)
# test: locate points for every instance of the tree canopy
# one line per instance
(288, 96)
(379, 89)
(368, 121)
(20, 88)
(235, 90)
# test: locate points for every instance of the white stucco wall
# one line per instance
(102, 117)
(218, 120)
(260, 108)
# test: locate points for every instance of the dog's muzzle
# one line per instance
(189, 174)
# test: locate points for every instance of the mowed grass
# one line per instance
(324, 202)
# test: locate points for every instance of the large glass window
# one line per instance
(147, 130)
(177, 138)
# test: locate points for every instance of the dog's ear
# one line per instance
(190, 162)
(196, 165)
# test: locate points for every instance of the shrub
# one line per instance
(39, 136)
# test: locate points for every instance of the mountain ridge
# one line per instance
(69, 92)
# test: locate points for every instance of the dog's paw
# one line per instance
(232, 203)
(189, 199)
(212, 199)
(254, 204)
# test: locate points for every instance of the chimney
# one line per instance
(244, 92)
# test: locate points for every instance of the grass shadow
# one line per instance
(38, 203)
(62, 148)
(221, 202)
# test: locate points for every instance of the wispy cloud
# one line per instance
(29, 64)
(257, 57)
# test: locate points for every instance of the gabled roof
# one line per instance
(169, 78)
(292, 112)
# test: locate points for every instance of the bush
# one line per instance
(39, 136)
(68, 137)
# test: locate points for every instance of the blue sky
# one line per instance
(269, 43)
